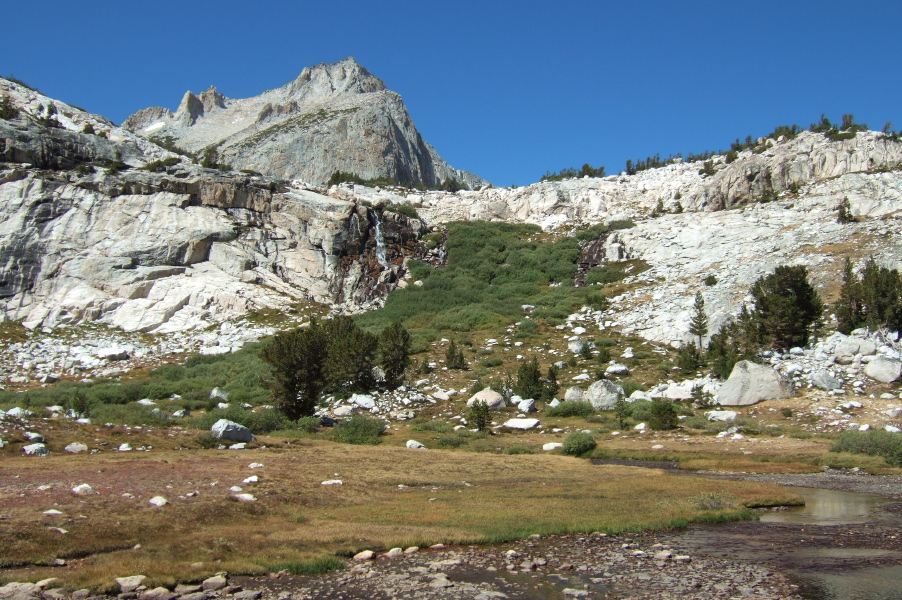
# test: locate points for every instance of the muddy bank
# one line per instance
(889, 486)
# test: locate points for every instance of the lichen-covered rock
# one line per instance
(603, 394)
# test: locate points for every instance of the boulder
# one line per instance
(493, 399)
(20, 591)
(750, 383)
(212, 584)
(573, 394)
(75, 448)
(130, 584)
(35, 450)
(603, 394)
(552, 446)
(521, 423)
(158, 501)
(721, 415)
(224, 429)
(883, 369)
(415, 445)
(617, 369)
(218, 393)
(364, 401)
(825, 381)
(527, 406)
(576, 346)
(19, 413)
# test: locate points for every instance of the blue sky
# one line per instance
(506, 89)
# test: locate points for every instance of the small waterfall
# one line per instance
(380, 241)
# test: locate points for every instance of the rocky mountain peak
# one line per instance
(322, 80)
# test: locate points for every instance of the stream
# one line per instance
(839, 546)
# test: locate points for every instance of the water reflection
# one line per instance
(827, 507)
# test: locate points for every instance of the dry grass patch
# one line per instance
(389, 497)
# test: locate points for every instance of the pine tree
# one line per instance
(454, 357)
(529, 380)
(844, 212)
(394, 354)
(787, 307)
(698, 326)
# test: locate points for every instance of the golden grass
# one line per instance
(389, 497)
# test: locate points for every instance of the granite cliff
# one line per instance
(336, 117)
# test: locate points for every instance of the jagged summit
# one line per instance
(332, 117)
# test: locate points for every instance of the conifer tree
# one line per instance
(698, 326)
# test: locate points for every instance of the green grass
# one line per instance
(315, 566)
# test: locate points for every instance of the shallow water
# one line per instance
(827, 507)
(878, 583)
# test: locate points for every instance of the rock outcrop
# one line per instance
(750, 383)
(336, 117)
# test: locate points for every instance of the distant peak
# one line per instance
(322, 80)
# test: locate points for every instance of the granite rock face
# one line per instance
(336, 117)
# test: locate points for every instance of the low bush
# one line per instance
(260, 421)
(571, 408)
(437, 425)
(359, 430)
(662, 415)
(519, 450)
(873, 443)
(578, 443)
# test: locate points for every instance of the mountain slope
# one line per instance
(336, 117)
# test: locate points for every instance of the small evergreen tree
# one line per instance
(787, 308)
(478, 416)
(529, 379)
(689, 358)
(698, 326)
(394, 354)
(550, 386)
(621, 410)
(872, 300)
(737, 340)
(298, 359)
(662, 415)
(844, 212)
(454, 357)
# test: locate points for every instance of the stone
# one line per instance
(20, 591)
(35, 450)
(750, 383)
(576, 346)
(75, 448)
(394, 553)
(603, 394)
(617, 369)
(823, 380)
(248, 595)
(364, 401)
(83, 490)
(218, 393)
(884, 370)
(364, 555)
(230, 431)
(158, 501)
(527, 406)
(721, 415)
(573, 394)
(131, 583)
(552, 446)
(415, 445)
(521, 423)
(332, 482)
(215, 583)
(493, 399)
(158, 593)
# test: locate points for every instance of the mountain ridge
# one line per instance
(332, 117)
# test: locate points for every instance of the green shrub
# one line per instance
(631, 385)
(7, 110)
(873, 443)
(206, 440)
(578, 443)
(359, 430)
(571, 408)
(308, 424)
(261, 421)
(160, 165)
(710, 280)
(662, 415)
(478, 416)
(622, 224)
(604, 274)
(492, 362)
(519, 450)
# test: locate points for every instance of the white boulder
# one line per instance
(883, 369)
(750, 383)
(603, 394)
(493, 399)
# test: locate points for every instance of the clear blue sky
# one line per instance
(506, 89)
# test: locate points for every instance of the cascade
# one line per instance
(380, 241)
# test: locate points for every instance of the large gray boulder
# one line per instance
(603, 395)
(224, 429)
(573, 394)
(750, 383)
(883, 369)
(20, 591)
(494, 400)
(825, 381)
